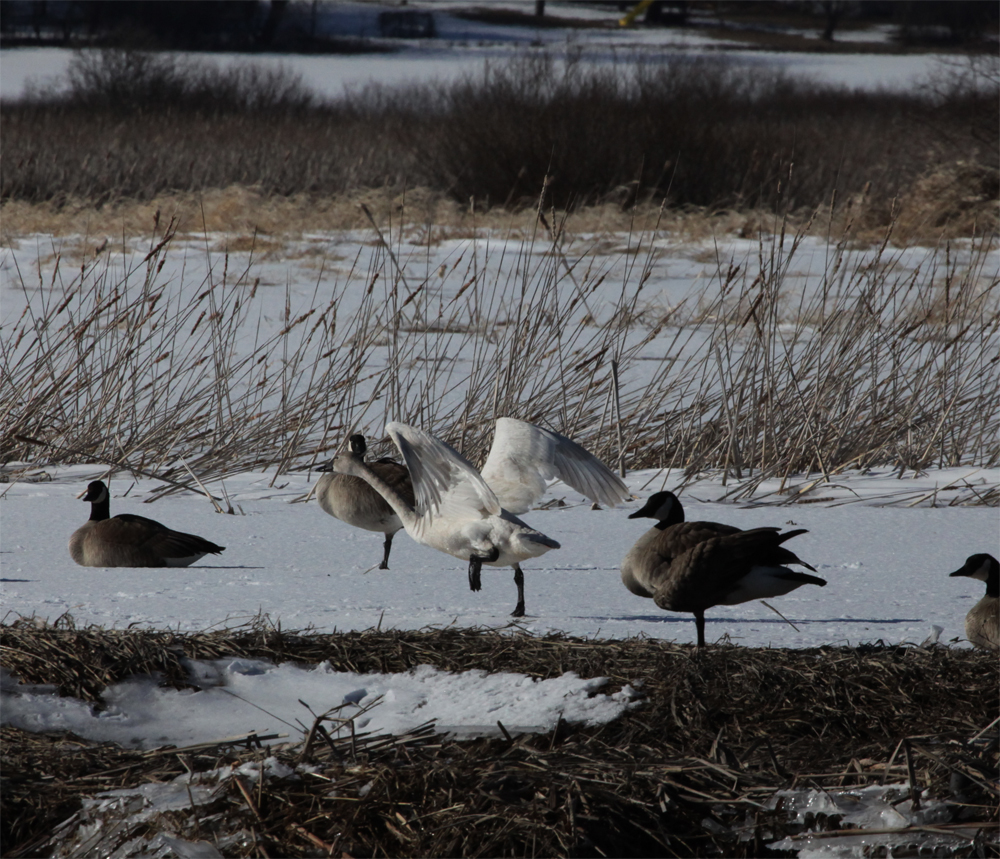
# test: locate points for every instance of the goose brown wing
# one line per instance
(129, 528)
(396, 475)
(702, 576)
(135, 530)
(677, 539)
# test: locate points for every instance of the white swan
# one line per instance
(471, 515)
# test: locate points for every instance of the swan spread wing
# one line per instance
(523, 457)
(445, 484)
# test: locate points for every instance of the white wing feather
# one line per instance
(524, 457)
(445, 484)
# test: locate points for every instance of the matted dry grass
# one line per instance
(693, 771)
(951, 201)
(241, 210)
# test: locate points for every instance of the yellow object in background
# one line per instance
(633, 13)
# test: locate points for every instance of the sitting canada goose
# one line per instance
(353, 501)
(127, 540)
(692, 566)
(982, 623)
(466, 514)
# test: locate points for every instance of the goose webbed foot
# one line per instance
(518, 610)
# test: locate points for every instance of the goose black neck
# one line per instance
(993, 579)
(674, 517)
(100, 510)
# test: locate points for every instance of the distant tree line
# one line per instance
(257, 24)
(167, 24)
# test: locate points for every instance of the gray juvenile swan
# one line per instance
(692, 566)
(470, 515)
(353, 501)
(127, 540)
(982, 623)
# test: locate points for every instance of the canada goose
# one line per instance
(466, 514)
(692, 566)
(982, 623)
(127, 540)
(353, 501)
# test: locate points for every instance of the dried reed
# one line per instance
(871, 367)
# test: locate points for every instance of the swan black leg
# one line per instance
(476, 566)
(519, 581)
(387, 545)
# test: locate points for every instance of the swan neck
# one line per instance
(402, 509)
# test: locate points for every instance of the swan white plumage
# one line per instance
(523, 457)
(470, 515)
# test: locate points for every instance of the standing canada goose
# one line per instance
(127, 540)
(471, 515)
(692, 566)
(982, 623)
(353, 501)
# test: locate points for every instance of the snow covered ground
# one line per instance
(886, 566)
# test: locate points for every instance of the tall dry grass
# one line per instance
(875, 365)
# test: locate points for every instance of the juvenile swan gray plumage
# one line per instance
(692, 566)
(470, 515)
(353, 501)
(982, 623)
(127, 540)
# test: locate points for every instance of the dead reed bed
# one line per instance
(125, 360)
(696, 770)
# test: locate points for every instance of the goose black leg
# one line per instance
(387, 545)
(699, 622)
(519, 581)
(476, 566)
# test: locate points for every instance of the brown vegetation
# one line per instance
(697, 134)
(693, 771)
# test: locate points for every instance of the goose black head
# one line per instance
(358, 445)
(96, 492)
(663, 506)
(983, 567)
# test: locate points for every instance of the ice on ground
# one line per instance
(877, 808)
(241, 696)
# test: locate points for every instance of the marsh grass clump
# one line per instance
(695, 770)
